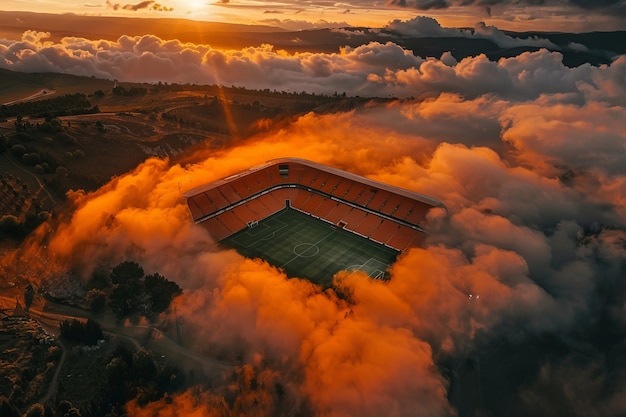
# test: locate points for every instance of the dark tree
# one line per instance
(125, 298)
(35, 410)
(88, 333)
(64, 406)
(143, 367)
(126, 271)
(96, 300)
(29, 295)
(73, 412)
(161, 291)
(7, 409)
(48, 412)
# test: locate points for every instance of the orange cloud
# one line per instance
(372, 69)
(523, 251)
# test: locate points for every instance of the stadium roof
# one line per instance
(357, 178)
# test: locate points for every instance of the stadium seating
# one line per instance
(324, 208)
(369, 224)
(337, 214)
(381, 212)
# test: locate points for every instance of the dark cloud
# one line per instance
(138, 6)
(148, 4)
(604, 6)
(423, 26)
(421, 4)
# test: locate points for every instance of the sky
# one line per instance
(520, 15)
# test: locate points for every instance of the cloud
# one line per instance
(373, 69)
(536, 245)
(423, 27)
(605, 6)
(297, 25)
(147, 5)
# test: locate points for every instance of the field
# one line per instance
(306, 247)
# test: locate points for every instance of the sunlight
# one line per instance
(195, 5)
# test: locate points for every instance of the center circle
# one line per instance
(306, 250)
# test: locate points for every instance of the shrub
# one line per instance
(18, 150)
(65, 139)
(96, 300)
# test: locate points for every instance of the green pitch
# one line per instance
(306, 247)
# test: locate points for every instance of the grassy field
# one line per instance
(307, 247)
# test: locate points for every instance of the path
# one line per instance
(164, 341)
(54, 384)
(44, 92)
(41, 185)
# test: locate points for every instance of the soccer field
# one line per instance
(306, 247)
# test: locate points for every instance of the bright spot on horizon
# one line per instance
(196, 5)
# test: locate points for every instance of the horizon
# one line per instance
(567, 17)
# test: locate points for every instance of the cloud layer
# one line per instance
(372, 69)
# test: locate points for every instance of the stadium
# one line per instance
(311, 220)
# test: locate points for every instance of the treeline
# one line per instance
(20, 210)
(132, 91)
(123, 376)
(66, 105)
(88, 333)
(137, 293)
(131, 293)
(135, 375)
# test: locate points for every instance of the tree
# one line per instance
(48, 412)
(7, 409)
(9, 224)
(73, 412)
(64, 406)
(161, 291)
(125, 271)
(116, 371)
(88, 333)
(96, 300)
(143, 365)
(35, 410)
(29, 295)
(18, 150)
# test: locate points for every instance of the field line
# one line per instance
(314, 244)
(254, 242)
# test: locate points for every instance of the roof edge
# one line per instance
(358, 178)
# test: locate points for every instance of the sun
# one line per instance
(196, 5)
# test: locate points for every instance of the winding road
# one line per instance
(51, 321)
(44, 92)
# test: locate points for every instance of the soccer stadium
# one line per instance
(311, 220)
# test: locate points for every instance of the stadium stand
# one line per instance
(383, 213)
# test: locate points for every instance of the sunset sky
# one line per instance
(546, 15)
